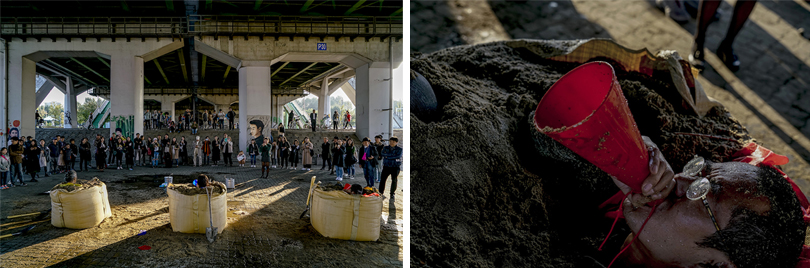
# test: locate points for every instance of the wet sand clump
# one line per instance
(489, 190)
(191, 189)
(79, 185)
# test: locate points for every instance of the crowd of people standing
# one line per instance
(188, 120)
(341, 156)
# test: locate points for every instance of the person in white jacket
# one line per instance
(198, 152)
(227, 150)
(5, 163)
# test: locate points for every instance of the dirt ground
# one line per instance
(264, 229)
(518, 198)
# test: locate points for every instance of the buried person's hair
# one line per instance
(774, 239)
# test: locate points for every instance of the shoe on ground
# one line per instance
(696, 60)
(729, 58)
(34, 180)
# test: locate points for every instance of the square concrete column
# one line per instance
(126, 94)
(22, 83)
(254, 101)
(372, 97)
(70, 105)
(323, 100)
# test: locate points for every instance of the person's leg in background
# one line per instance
(16, 172)
(339, 171)
(742, 9)
(368, 174)
(705, 14)
(54, 165)
(389, 171)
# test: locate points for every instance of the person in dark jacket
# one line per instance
(183, 151)
(337, 158)
(325, 155)
(253, 151)
(54, 155)
(119, 153)
(16, 151)
(380, 145)
(216, 150)
(392, 161)
(129, 148)
(294, 148)
(69, 152)
(74, 148)
(368, 160)
(84, 154)
(265, 152)
(313, 119)
(101, 153)
(32, 160)
(285, 148)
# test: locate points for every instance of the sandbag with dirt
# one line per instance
(188, 207)
(79, 205)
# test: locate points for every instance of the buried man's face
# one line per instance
(678, 225)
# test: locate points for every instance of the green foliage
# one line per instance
(87, 108)
(52, 109)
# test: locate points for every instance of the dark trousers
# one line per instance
(227, 157)
(284, 158)
(83, 163)
(326, 162)
(394, 172)
(313, 125)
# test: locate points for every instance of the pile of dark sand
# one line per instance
(189, 189)
(491, 191)
(79, 185)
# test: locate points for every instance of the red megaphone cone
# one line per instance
(586, 111)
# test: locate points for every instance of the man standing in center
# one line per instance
(198, 152)
(313, 119)
(231, 116)
(227, 150)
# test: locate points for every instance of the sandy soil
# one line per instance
(491, 191)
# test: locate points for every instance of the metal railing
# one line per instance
(93, 26)
(288, 91)
(246, 25)
(201, 25)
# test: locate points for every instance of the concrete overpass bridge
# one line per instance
(255, 56)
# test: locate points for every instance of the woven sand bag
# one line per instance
(80, 209)
(336, 214)
(189, 213)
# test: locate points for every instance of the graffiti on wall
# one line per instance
(258, 127)
(124, 124)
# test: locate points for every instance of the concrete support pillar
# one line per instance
(22, 83)
(3, 97)
(254, 101)
(43, 91)
(372, 96)
(126, 94)
(168, 106)
(71, 114)
(323, 100)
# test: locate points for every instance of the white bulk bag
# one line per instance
(189, 213)
(336, 214)
(80, 209)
